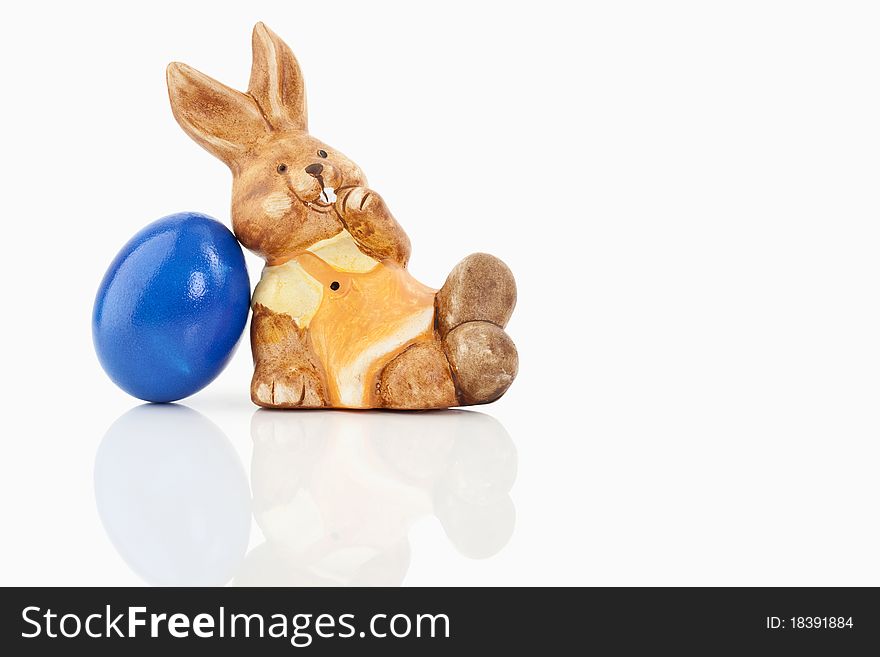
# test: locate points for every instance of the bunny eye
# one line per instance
(322, 153)
(282, 168)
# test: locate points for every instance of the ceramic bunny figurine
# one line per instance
(338, 321)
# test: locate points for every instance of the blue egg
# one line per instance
(172, 307)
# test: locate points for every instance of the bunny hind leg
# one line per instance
(418, 378)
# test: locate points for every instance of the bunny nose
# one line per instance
(314, 169)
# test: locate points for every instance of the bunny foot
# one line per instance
(484, 360)
(296, 389)
(480, 287)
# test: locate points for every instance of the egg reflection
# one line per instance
(172, 496)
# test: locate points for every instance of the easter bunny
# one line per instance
(338, 321)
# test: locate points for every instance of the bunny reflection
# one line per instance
(334, 493)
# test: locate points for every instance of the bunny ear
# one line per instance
(224, 121)
(276, 81)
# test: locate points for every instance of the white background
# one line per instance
(687, 193)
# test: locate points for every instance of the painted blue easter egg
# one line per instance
(171, 308)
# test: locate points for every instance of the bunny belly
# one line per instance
(290, 290)
(364, 323)
(375, 311)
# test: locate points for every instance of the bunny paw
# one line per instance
(296, 389)
(357, 201)
(367, 218)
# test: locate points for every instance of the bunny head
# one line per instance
(280, 172)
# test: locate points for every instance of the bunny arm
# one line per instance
(287, 373)
(369, 221)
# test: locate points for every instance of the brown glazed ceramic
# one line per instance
(338, 321)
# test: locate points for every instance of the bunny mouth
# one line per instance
(326, 197)
(325, 200)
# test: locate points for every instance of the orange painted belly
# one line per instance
(364, 321)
